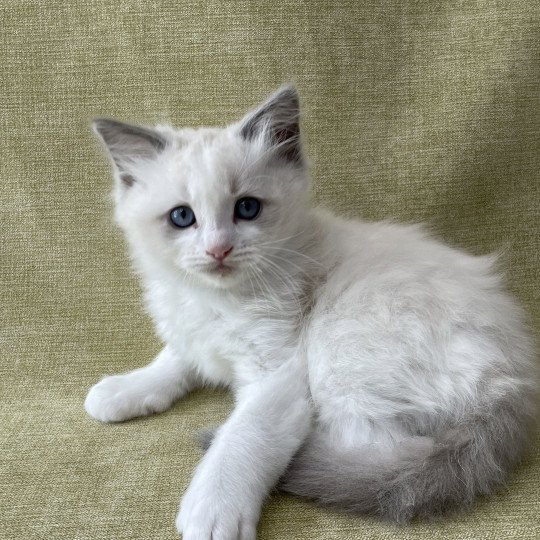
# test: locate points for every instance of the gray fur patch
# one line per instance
(205, 437)
(125, 141)
(279, 118)
(469, 459)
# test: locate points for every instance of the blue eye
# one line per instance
(247, 208)
(182, 216)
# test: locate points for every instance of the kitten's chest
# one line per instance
(231, 341)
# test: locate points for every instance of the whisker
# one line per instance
(265, 290)
(284, 277)
(248, 268)
(281, 239)
(299, 268)
(311, 259)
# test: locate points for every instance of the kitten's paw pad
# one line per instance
(122, 397)
(212, 519)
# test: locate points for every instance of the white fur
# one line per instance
(325, 323)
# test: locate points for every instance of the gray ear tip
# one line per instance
(288, 91)
(114, 132)
(289, 87)
(101, 124)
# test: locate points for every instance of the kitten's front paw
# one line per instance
(121, 397)
(205, 515)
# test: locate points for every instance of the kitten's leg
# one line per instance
(143, 391)
(247, 456)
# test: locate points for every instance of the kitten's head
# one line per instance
(213, 204)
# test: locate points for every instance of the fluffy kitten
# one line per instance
(374, 369)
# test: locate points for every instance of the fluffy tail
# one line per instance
(424, 477)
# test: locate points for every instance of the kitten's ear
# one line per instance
(126, 143)
(278, 121)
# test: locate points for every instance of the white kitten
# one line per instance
(374, 368)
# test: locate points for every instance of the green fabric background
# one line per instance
(415, 110)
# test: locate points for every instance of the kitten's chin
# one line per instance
(221, 277)
(221, 281)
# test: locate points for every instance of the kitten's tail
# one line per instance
(423, 476)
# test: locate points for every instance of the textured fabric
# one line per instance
(414, 110)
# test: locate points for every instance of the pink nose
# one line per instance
(219, 252)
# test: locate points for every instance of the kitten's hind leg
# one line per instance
(151, 389)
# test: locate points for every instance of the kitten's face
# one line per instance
(214, 204)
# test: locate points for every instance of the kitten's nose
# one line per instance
(219, 252)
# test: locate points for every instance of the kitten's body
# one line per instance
(374, 368)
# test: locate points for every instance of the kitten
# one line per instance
(374, 369)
